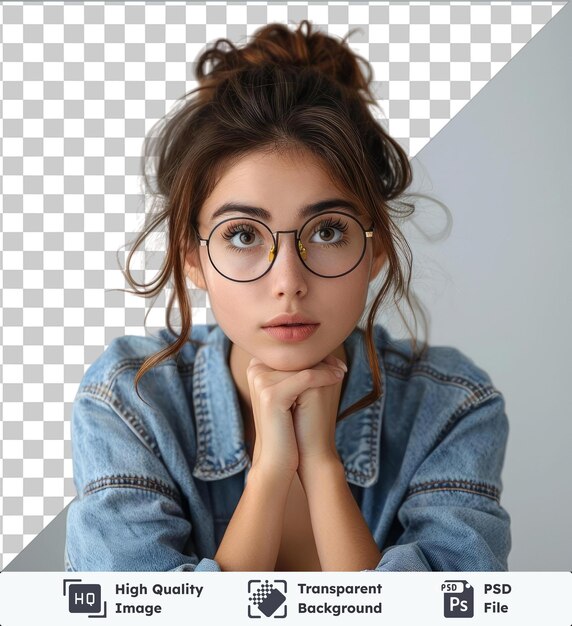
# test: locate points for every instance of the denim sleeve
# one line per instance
(451, 515)
(128, 515)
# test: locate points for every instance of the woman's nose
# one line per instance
(288, 272)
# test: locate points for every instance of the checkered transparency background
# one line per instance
(82, 83)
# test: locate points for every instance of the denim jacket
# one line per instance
(157, 486)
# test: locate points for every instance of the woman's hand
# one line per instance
(274, 394)
(315, 416)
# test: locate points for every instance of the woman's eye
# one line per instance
(245, 238)
(240, 238)
(327, 234)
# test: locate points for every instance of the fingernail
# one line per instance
(342, 365)
(338, 373)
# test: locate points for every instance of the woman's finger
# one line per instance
(286, 391)
(335, 362)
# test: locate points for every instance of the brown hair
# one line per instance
(285, 91)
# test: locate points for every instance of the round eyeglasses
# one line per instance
(330, 245)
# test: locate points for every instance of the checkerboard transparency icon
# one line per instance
(267, 597)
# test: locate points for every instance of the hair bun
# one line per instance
(276, 44)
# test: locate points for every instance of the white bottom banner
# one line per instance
(435, 598)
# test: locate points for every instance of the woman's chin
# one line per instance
(287, 363)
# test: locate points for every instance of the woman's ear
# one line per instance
(378, 262)
(193, 269)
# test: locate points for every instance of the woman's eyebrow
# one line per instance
(304, 212)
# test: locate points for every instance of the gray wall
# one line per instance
(499, 287)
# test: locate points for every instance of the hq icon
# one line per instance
(458, 598)
(84, 598)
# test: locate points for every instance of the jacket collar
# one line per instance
(221, 450)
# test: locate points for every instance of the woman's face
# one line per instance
(281, 186)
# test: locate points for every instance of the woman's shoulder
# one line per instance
(427, 391)
(128, 352)
(443, 364)
(162, 401)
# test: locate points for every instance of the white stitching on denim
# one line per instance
(132, 481)
(469, 486)
(103, 394)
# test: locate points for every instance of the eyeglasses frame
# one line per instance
(299, 247)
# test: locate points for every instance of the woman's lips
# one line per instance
(292, 332)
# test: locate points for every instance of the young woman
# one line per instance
(286, 436)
